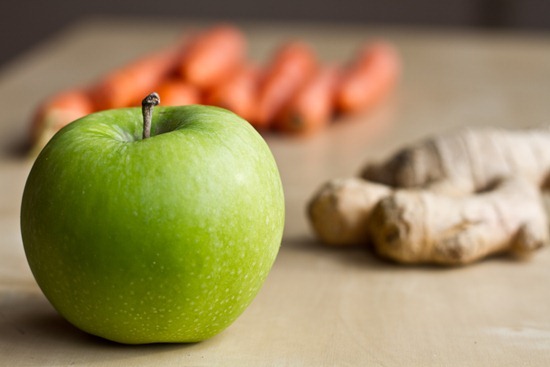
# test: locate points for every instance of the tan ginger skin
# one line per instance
(451, 199)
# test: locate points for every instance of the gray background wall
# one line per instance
(24, 23)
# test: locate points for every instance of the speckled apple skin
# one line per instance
(166, 239)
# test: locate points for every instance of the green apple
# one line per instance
(160, 238)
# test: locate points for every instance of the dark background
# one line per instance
(24, 23)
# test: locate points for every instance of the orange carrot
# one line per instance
(178, 93)
(128, 85)
(292, 64)
(58, 111)
(311, 108)
(213, 55)
(370, 77)
(237, 93)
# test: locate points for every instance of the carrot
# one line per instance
(371, 76)
(213, 55)
(178, 93)
(58, 111)
(292, 64)
(128, 85)
(311, 108)
(237, 93)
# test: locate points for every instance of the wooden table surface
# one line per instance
(319, 306)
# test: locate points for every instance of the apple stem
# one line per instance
(147, 105)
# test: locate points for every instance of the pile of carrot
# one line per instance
(293, 93)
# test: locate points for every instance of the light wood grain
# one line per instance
(319, 306)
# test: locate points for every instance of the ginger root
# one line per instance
(340, 210)
(418, 226)
(466, 161)
(449, 200)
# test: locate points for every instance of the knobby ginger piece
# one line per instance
(467, 161)
(420, 226)
(340, 210)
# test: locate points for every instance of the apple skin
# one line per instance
(164, 239)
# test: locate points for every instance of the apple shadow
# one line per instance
(33, 333)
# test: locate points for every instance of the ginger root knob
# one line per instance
(340, 210)
(419, 226)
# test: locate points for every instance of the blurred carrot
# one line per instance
(213, 55)
(292, 64)
(56, 112)
(292, 92)
(178, 93)
(369, 78)
(311, 108)
(237, 93)
(128, 85)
